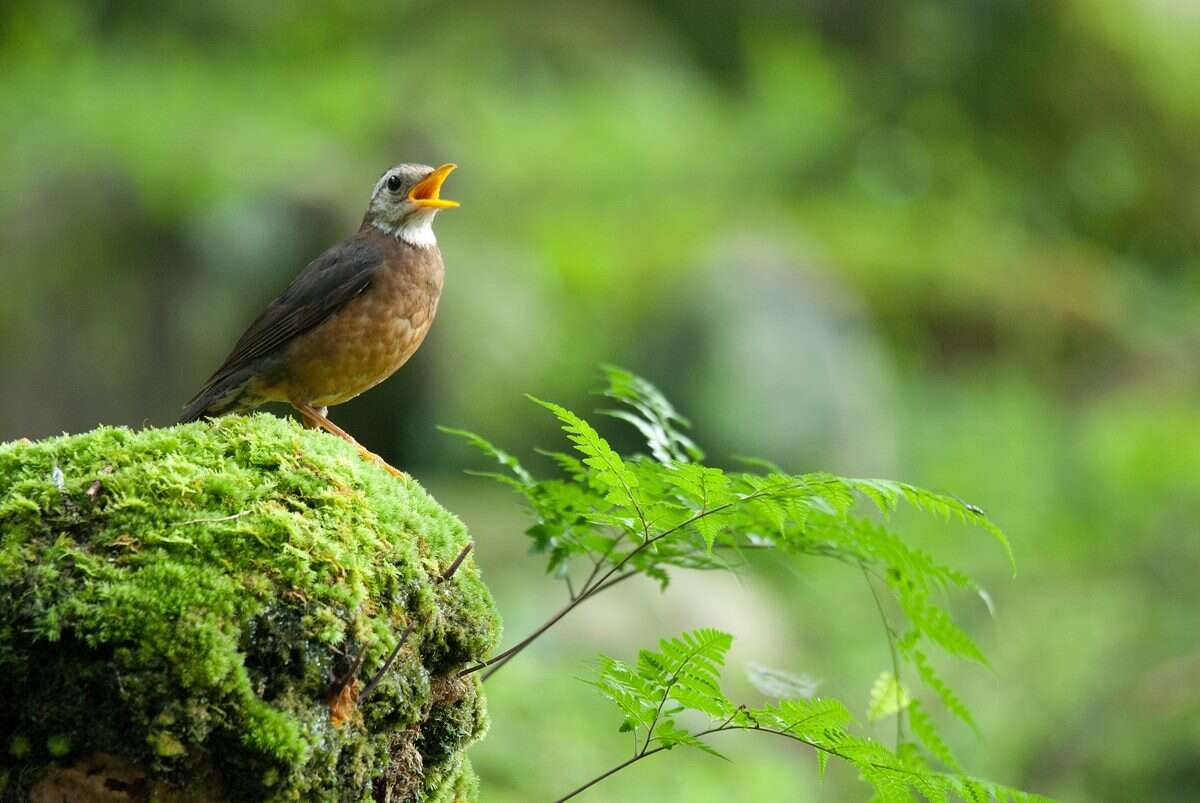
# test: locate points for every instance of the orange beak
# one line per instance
(427, 192)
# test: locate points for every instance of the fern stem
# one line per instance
(610, 583)
(523, 643)
(611, 772)
(493, 665)
(813, 745)
(725, 728)
(680, 526)
(891, 640)
(667, 692)
(598, 564)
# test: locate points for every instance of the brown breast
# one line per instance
(374, 334)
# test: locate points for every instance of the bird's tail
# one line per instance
(222, 394)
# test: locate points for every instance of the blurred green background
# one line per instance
(953, 243)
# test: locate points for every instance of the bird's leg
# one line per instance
(312, 424)
(316, 417)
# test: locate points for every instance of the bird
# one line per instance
(350, 319)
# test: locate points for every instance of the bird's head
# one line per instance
(405, 200)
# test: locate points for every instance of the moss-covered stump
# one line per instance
(183, 610)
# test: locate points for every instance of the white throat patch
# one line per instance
(416, 230)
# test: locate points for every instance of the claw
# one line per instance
(367, 454)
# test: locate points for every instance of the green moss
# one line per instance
(59, 745)
(19, 747)
(185, 598)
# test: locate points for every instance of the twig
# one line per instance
(610, 583)
(453, 567)
(387, 664)
(596, 564)
(355, 668)
(525, 642)
(613, 771)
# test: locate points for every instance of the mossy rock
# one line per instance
(180, 608)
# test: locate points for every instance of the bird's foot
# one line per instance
(367, 454)
(316, 417)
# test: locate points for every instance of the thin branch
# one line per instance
(387, 664)
(453, 567)
(355, 668)
(610, 583)
(613, 771)
(596, 564)
(525, 642)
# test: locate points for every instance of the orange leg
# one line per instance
(316, 417)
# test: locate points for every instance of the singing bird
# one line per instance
(350, 319)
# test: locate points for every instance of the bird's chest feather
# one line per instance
(371, 336)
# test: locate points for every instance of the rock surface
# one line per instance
(182, 612)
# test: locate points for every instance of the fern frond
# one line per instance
(491, 450)
(668, 735)
(933, 681)
(629, 689)
(978, 790)
(624, 516)
(569, 463)
(927, 733)
(887, 494)
(887, 697)
(684, 675)
(652, 415)
(933, 622)
(688, 669)
(598, 455)
(820, 720)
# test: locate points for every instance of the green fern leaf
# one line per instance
(668, 734)
(887, 697)
(949, 699)
(652, 414)
(598, 455)
(819, 721)
(933, 622)
(886, 494)
(491, 450)
(924, 729)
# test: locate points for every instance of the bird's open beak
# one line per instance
(427, 191)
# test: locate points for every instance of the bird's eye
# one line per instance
(394, 183)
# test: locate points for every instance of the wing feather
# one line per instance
(322, 288)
